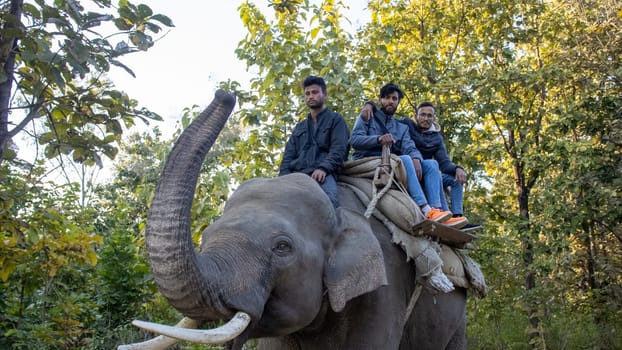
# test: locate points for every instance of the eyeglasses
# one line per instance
(425, 115)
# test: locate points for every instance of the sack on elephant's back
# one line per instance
(395, 205)
(366, 168)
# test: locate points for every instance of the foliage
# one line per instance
(46, 252)
(54, 59)
(122, 281)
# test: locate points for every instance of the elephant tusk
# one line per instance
(219, 335)
(160, 342)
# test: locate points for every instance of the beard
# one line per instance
(315, 104)
(388, 110)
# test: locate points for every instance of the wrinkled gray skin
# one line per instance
(310, 277)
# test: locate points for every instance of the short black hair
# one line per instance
(313, 80)
(426, 104)
(389, 89)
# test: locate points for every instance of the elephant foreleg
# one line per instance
(459, 340)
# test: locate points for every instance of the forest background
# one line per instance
(529, 94)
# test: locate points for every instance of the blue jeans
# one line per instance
(414, 187)
(330, 188)
(432, 182)
(456, 193)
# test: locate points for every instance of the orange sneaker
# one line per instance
(438, 215)
(456, 222)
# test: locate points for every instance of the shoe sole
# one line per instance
(443, 218)
(458, 224)
(469, 229)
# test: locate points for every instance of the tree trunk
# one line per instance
(590, 249)
(533, 332)
(8, 48)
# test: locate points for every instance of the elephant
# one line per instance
(306, 275)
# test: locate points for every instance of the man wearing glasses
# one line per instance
(426, 133)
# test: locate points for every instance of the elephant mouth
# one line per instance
(282, 317)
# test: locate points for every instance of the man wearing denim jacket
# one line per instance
(377, 127)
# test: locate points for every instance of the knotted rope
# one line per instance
(378, 174)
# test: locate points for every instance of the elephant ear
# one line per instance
(356, 264)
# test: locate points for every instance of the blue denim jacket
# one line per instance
(365, 135)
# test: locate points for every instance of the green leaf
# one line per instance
(126, 68)
(94, 19)
(51, 15)
(46, 137)
(144, 11)
(114, 127)
(9, 153)
(127, 14)
(153, 27)
(111, 152)
(314, 32)
(141, 40)
(28, 55)
(163, 19)
(58, 78)
(123, 24)
(80, 51)
(51, 151)
(79, 155)
(31, 10)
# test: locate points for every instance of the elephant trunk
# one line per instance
(175, 264)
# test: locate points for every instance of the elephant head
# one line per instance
(279, 253)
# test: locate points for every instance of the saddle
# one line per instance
(404, 219)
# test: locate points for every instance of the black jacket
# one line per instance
(324, 146)
(431, 145)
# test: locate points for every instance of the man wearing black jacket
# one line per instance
(318, 145)
(427, 136)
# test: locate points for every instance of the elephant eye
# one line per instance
(282, 247)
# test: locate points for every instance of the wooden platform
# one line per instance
(445, 234)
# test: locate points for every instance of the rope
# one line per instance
(381, 170)
(362, 197)
(375, 194)
(411, 304)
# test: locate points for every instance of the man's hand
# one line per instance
(386, 140)
(318, 175)
(460, 176)
(367, 112)
(418, 171)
